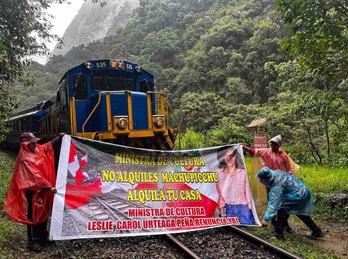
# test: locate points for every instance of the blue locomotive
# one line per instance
(107, 100)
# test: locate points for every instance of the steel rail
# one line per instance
(251, 239)
(257, 241)
(188, 253)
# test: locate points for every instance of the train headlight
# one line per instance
(120, 65)
(122, 123)
(139, 69)
(159, 122)
(116, 64)
(88, 65)
(113, 64)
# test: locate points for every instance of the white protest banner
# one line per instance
(107, 190)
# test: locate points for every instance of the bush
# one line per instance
(227, 132)
(8, 228)
(341, 157)
(326, 208)
(6, 167)
(192, 140)
(299, 154)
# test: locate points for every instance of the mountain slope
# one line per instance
(94, 22)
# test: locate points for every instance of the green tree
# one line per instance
(24, 29)
(311, 115)
(316, 74)
(237, 91)
(201, 111)
(161, 47)
(23, 25)
(318, 34)
(227, 131)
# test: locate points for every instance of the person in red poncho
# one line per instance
(276, 159)
(32, 187)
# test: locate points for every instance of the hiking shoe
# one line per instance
(278, 235)
(35, 247)
(316, 234)
(288, 229)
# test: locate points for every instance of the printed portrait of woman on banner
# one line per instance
(235, 199)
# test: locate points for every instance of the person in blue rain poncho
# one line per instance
(287, 195)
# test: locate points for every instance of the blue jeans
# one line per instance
(241, 211)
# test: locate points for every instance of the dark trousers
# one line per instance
(36, 232)
(282, 219)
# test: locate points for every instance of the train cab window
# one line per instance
(145, 86)
(104, 82)
(80, 89)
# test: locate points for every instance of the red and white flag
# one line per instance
(84, 160)
(78, 195)
(74, 165)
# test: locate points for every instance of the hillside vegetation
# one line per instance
(225, 63)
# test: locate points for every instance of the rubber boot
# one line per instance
(316, 233)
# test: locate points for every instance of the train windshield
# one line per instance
(104, 82)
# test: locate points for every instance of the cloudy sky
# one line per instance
(63, 15)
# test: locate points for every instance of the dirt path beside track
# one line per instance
(336, 234)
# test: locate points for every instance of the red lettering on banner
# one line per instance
(100, 225)
(147, 212)
(170, 212)
(159, 223)
(187, 211)
(128, 224)
(209, 222)
(185, 223)
(234, 220)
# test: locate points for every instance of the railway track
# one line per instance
(259, 242)
(226, 242)
(113, 207)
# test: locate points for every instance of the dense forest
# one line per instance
(224, 63)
